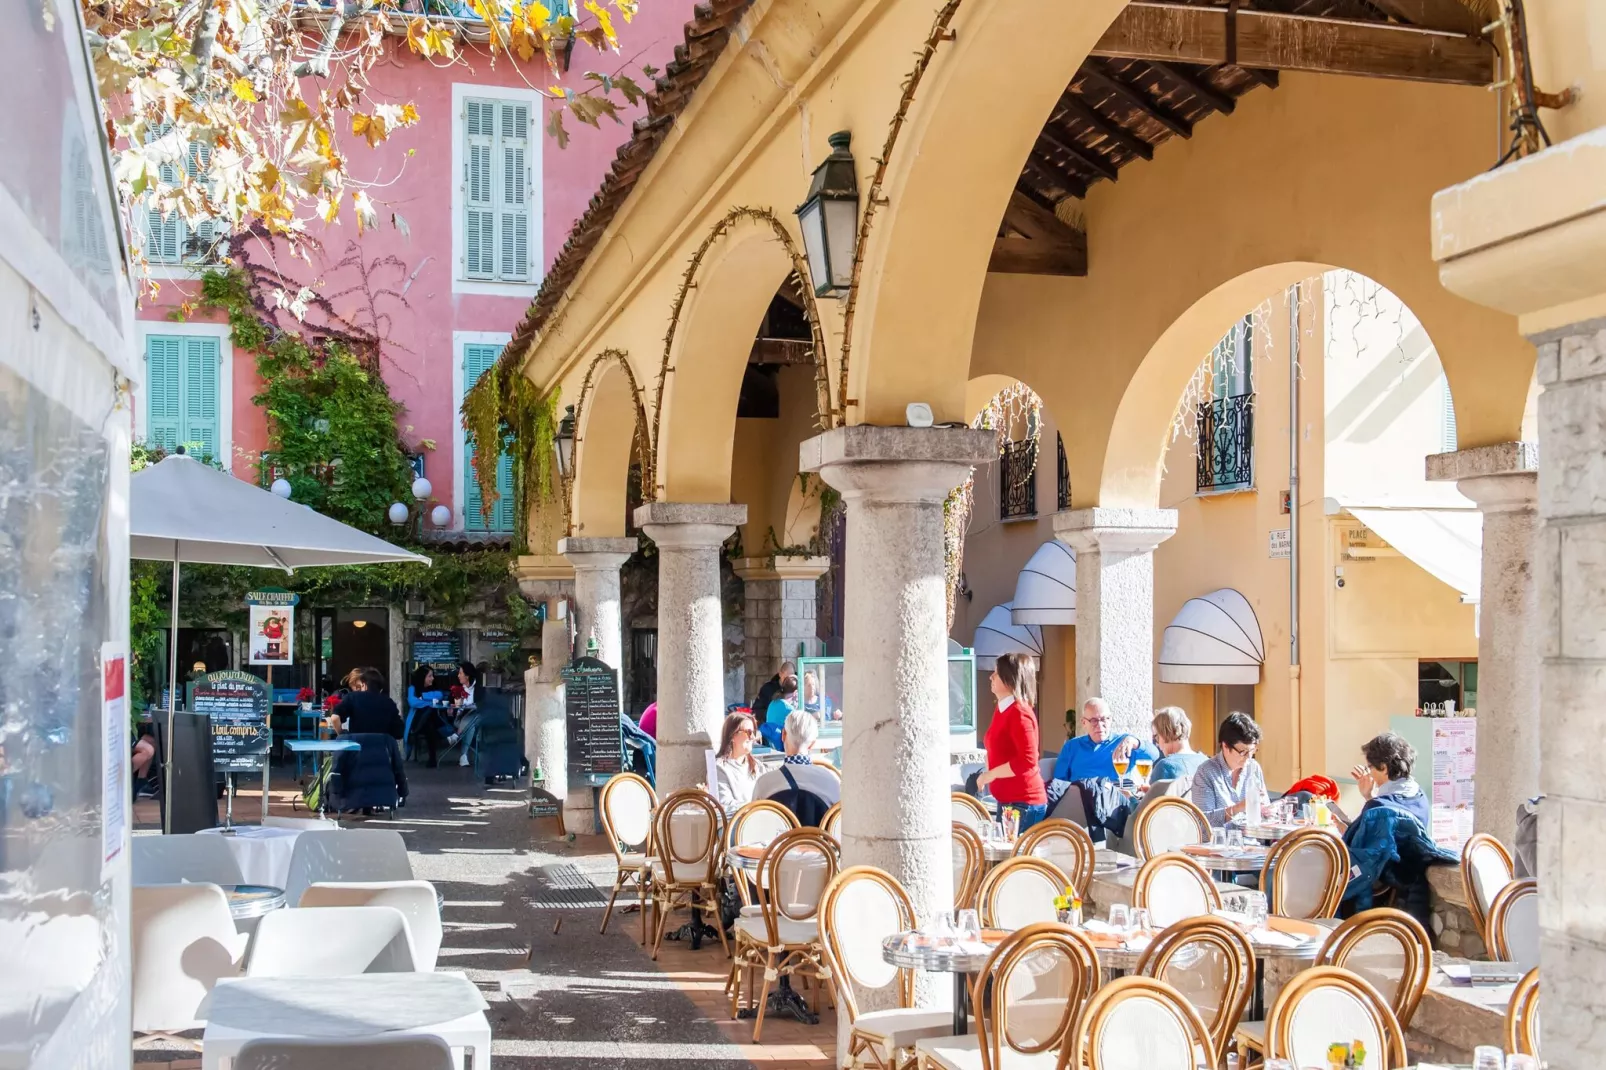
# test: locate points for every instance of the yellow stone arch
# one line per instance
(609, 420)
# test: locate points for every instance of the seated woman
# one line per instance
(735, 768)
(779, 709)
(368, 709)
(1385, 778)
(1224, 783)
(423, 702)
(1178, 760)
(1390, 841)
(816, 701)
(468, 683)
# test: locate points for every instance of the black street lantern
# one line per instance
(563, 443)
(830, 219)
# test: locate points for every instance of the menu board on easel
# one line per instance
(237, 703)
(591, 708)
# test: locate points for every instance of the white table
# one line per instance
(369, 1004)
(263, 853)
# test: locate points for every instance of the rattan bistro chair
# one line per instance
(861, 908)
(1027, 998)
(686, 838)
(1169, 824)
(1019, 892)
(1327, 1002)
(1522, 1016)
(970, 865)
(1486, 868)
(1064, 843)
(756, 824)
(1138, 1022)
(785, 939)
(1211, 963)
(969, 811)
(1512, 929)
(628, 803)
(1173, 888)
(1304, 874)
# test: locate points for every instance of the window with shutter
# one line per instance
(171, 240)
(496, 186)
(182, 376)
(1446, 418)
(477, 359)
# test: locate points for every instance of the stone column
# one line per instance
(1503, 480)
(546, 742)
(691, 646)
(895, 805)
(778, 614)
(596, 564)
(1115, 606)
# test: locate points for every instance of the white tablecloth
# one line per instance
(263, 853)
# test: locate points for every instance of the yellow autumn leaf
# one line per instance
(242, 89)
(604, 21)
(409, 114)
(538, 14)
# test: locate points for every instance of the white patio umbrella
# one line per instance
(187, 512)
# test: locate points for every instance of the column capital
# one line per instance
(542, 576)
(1119, 530)
(903, 464)
(776, 567)
(689, 525)
(1503, 477)
(585, 552)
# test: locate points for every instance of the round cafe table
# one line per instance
(263, 853)
(252, 900)
(1272, 831)
(1249, 859)
(906, 951)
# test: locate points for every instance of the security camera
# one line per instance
(1339, 583)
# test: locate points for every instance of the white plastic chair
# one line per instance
(406, 1052)
(184, 858)
(344, 856)
(326, 942)
(415, 899)
(183, 942)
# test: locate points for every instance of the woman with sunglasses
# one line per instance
(735, 768)
(1223, 785)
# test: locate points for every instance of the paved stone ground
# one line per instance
(521, 915)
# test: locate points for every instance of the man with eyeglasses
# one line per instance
(1092, 756)
(1223, 785)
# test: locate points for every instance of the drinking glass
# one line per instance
(1121, 765)
(1140, 920)
(1257, 909)
(1145, 765)
(1521, 1062)
(1235, 838)
(969, 925)
(942, 927)
(1278, 1064)
(1120, 921)
(998, 832)
(1218, 838)
(1488, 1057)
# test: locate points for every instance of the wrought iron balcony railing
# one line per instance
(1062, 500)
(1017, 480)
(1226, 447)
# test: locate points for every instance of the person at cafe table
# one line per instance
(1225, 782)
(1012, 774)
(1092, 756)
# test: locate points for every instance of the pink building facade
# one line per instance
(485, 198)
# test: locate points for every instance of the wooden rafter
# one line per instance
(1092, 159)
(1070, 104)
(1434, 14)
(1197, 86)
(1133, 98)
(1182, 33)
(1034, 241)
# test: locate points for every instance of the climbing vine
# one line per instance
(504, 412)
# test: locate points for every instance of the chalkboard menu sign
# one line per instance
(237, 703)
(591, 705)
(437, 647)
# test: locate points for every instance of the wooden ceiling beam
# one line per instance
(1036, 242)
(1049, 175)
(1198, 87)
(1073, 106)
(1091, 159)
(1434, 14)
(1181, 33)
(1268, 79)
(1131, 97)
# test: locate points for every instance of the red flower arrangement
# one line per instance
(457, 694)
(304, 695)
(331, 702)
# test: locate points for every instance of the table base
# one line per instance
(961, 1004)
(786, 1002)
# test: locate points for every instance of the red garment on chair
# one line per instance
(1319, 786)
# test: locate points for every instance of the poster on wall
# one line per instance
(270, 632)
(114, 756)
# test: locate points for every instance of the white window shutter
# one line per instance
(513, 223)
(479, 223)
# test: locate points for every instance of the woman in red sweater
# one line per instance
(1012, 773)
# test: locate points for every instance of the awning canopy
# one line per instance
(1045, 593)
(1447, 543)
(1214, 639)
(997, 634)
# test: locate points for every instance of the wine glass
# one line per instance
(1120, 921)
(1145, 765)
(1121, 766)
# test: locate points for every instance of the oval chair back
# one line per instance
(797, 868)
(685, 835)
(183, 941)
(1139, 1022)
(1512, 931)
(1064, 843)
(1019, 892)
(1304, 874)
(863, 906)
(970, 865)
(969, 811)
(831, 823)
(1029, 993)
(1173, 888)
(1211, 964)
(1522, 1016)
(1169, 824)
(1328, 1002)
(1390, 951)
(1485, 869)
(757, 824)
(628, 804)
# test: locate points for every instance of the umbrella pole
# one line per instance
(172, 698)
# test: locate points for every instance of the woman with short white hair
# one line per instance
(1178, 760)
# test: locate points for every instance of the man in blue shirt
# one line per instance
(1092, 756)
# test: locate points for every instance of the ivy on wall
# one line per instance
(505, 410)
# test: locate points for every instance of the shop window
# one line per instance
(1440, 682)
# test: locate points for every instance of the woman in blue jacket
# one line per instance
(422, 697)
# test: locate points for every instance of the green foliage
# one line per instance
(504, 409)
(148, 617)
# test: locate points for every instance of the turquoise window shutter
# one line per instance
(162, 361)
(477, 360)
(200, 398)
